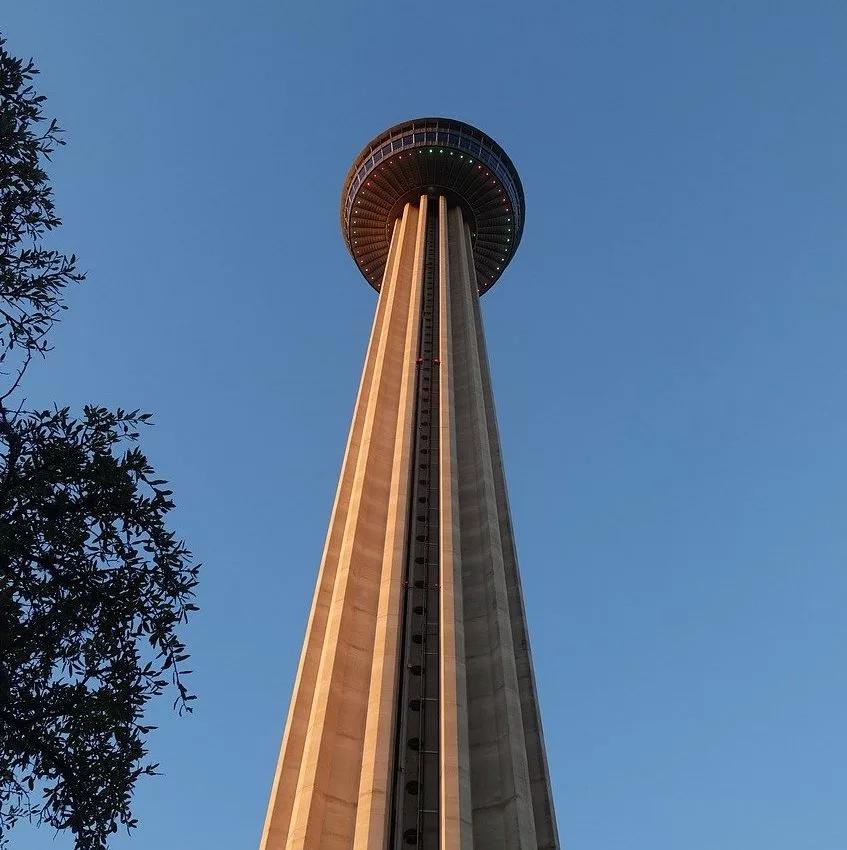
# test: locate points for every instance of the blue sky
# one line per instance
(668, 350)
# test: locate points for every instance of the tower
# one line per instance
(414, 719)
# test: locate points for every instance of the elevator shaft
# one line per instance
(415, 804)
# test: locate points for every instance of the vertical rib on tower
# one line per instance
(414, 720)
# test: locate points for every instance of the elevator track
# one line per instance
(415, 803)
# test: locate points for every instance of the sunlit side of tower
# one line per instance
(414, 718)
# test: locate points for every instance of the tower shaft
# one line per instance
(414, 719)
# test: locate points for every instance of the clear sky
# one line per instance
(669, 359)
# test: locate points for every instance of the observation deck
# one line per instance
(433, 156)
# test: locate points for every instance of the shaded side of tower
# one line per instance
(414, 719)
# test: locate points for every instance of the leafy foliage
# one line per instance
(93, 588)
(32, 277)
(93, 585)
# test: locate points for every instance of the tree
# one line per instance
(93, 585)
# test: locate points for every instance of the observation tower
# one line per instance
(414, 719)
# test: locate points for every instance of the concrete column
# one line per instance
(546, 830)
(315, 795)
(500, 785)
(375, 783)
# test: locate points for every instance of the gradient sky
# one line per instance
(669, 360)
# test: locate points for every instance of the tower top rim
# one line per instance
(433, 156)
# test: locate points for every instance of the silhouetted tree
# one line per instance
(93, 584)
